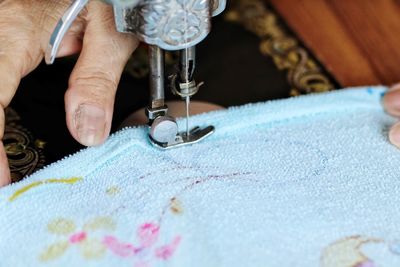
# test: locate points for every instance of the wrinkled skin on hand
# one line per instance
(25, 29)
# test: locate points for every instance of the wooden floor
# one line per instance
(358, 41)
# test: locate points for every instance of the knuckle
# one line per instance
(107, 17)
(101, 25)
(97, 83)
(101, 17)
(48, 13)
(100, 11)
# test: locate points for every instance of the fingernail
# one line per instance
(394, 135)
(90, 124)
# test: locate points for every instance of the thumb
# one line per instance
(89, 99)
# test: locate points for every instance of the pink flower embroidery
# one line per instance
(366, 264)
(167, 251)
(118, 248)
(148, 234)
(77, 238)
(145, 252)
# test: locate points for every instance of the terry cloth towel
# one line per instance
(307, 181)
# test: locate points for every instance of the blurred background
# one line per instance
(258, 50)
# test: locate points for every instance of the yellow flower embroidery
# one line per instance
(30, 186)
(90, 247)
(54, 251)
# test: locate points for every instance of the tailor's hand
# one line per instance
(25, 29)
(391, 102)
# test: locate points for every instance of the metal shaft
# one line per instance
(157, 76)
(187, 64)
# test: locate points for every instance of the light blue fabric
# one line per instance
(307, 181)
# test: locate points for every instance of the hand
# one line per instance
(391, 102)
(25, 29)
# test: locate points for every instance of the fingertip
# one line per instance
(391, 100)
(88, 122)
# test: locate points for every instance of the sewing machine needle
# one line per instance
(187, 116)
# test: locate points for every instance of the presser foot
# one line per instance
(196, 135)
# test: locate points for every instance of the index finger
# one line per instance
(9, 81)
(20, 52)
(11, 70)
(5, 177)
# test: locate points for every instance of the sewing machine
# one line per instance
(164, 25)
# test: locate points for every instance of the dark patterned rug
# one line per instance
(250, 56)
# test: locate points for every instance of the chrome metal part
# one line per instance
(123, 3)
(157, 76)
(170, 24)
(152, 114)
(187, 63)
(164, 129)
(184, 89)
(182, 83)
(197, 134)
(62, 28)
(165, 25)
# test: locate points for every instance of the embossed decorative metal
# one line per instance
(169, 24)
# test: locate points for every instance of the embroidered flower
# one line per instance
(366, 264)
(90, 247)
(146, 251)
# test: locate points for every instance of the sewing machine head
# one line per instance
(164, 25)
(171, 25)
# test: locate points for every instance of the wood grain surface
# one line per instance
(358, 41)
